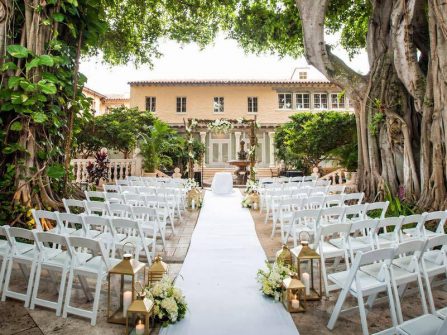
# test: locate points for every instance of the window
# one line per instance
(337, 101)
(302, 75)
(285, 100)
(218, 105)
(320, 100)
(181, 104)
(252, 104)
(150, 104)
(302, 100)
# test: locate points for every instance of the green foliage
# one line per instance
(120, 130)
(310, 138)
(397, 206)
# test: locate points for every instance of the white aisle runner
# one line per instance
(218, 276)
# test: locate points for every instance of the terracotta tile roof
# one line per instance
(218, 82)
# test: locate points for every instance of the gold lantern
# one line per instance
(307, 257)
(294, 296)
(157, 270)
(284, 255)
(127, 272)
(138, 315)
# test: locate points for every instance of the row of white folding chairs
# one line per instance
(173, 202)
(335, 240)
(268, 194)
(71, 256)
(287, 179)
(279, 204)
(390, 270)
(114, 230)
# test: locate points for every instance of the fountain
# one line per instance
(241, 163)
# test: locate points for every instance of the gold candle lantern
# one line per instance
(294, 296)
(157, 270)
(284, 255)
(138, 315)
(306, 257)
(127, 272)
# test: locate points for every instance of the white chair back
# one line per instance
(74, 206)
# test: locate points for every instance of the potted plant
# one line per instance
(150, 159)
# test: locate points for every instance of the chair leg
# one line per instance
(337, 308)
(7, 279)
(68, 294)
(324, 273)
(85, 288)
(3, 271)
(36, 286)
(96, 300)
(30, 284)
(60, 299)
(362, 311)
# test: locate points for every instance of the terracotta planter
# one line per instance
(149, 174)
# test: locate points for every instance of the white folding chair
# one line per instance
(353, 198)
(129, 189)
(79, 228)
(122, 183)
(360, 285)
(134, 199)
(408, 222)
(376, 210)
(434, 263)
(46, 220)
(97, 266)
(354, 213)
(427, 324)
(114, 198)
(120, 210)
(336, 189)
(94, 196)
(329, 251)
(59, 262)
(333, 200)
(5, 249)
(331, 215)
(150, 223)
(387, 232)
(421, 230)
(322, 182)
(96, 208)
(303, 220)
(111, 188)
(286, 213)
(26, 255)
(319, 191)
(107, 233)
(313, 202)
(74, 206)
(135, 236)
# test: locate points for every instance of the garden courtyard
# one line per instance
(223, 167)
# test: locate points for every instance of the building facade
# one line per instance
(101, 104)
(271, 102)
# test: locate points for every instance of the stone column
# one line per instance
(264, 156)
(272, 148)
(237, 134)
(203, 140)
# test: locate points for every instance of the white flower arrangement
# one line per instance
(220, 126)
(169, 303)
(251, 187)
(191, 184)
(271, 279)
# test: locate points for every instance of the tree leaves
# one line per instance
(16, 126)
(39, 117)
(56, 171)
(17, 51)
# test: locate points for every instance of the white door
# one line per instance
(220, 152)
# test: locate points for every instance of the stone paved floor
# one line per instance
(15, 319)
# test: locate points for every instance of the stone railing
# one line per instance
(118, 169)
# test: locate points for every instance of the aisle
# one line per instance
(218, 276)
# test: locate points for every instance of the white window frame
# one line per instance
(302, 94)
(338, 98)
(302, 75)
(152, 104)
(252, 103)
(183, 104)
(319, 94)
(218, 105)
(283, 94)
